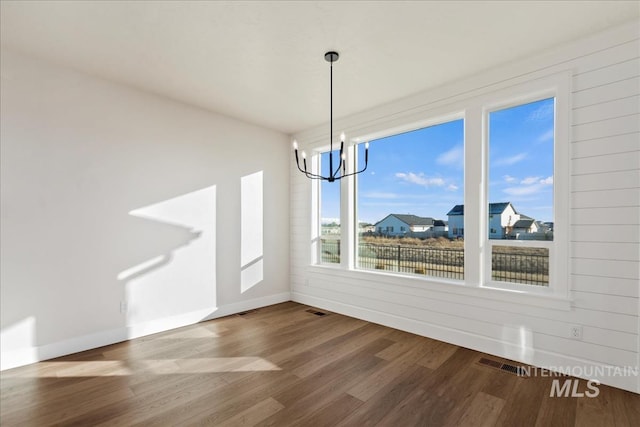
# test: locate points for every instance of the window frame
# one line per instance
(558, 87)
(316, 168)
(473, 108)
(433, 120)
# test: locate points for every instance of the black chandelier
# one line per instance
(334, 175)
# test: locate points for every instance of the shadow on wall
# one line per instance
(182, 279)
(148, 271)
(122, 270)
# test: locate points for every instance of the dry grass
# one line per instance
(438, 242)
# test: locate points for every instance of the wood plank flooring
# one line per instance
(285, 366)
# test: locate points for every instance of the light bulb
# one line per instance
(366, 145)
(342, 137)
(304, 155)
(344, 156)
(295, 144)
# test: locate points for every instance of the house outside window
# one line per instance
(519, 134)
(422, 170)
(521, 152)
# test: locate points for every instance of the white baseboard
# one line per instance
(539, 358)
(251, 304)
(25, 356)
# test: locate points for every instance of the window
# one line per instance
(405, 215)
(416, 178)
(520, 191)
(330, 230)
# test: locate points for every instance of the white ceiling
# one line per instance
(263, 62)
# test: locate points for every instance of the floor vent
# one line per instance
(316, 312)
(515, 370)
(246, 312)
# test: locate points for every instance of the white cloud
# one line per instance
(452, 157)
(523, 191)
(530, 185)
(509, 178)
(452, 187)
(530, 180)
(508, 161)
(543, 112)
(379, 195)
(547, 181)
(420, 179)
(547, 136)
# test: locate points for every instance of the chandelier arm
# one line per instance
(340, 159)
(311, 175)
(314, 176)
(307, 173)
(299, 168)
(341, 167)
(355, 173)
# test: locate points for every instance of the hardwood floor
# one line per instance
(283, 365)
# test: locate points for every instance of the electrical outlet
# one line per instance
(575, 332)
(123, 307)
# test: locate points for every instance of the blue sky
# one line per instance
(422, 172)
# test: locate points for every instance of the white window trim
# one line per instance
(558, 87)
(473, 110)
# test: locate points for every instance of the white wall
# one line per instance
(604, 235)
(113, 195)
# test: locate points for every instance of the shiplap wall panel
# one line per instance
(606, 250)
(439, 313)
(586, 350)
(606, 233)
(604, 302)
(606, 110)
(609, 338)
(604, 216)
(604, 230)
(607, 268)
(606, 181)
(613, 162)
(606, 146)
(624, 70)
(627, 196)
(611, 286)
(623, 123)
(606, 92)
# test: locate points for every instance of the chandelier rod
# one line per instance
(331, 57)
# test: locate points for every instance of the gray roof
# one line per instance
(494, 208)
(411, 220)
(524, 223)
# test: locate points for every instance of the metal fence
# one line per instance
(527, 268)
(516, 267)
(330, 251)
(448, 263)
